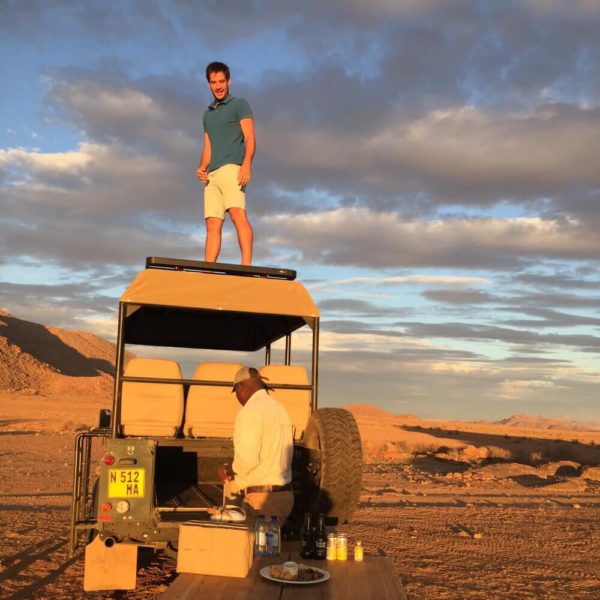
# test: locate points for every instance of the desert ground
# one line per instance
(485, 512)
(464, 510)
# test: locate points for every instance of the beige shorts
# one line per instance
(223, 192)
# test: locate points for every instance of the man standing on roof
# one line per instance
(225, 164)
(263, 445)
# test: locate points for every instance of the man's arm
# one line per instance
(245, 173)
(201, 173)
(246, 445)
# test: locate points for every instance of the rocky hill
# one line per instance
(49, 360)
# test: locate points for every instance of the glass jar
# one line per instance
(341, 547)
(331, 546)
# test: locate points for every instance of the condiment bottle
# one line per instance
(358, 551)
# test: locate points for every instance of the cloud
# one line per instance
(554, 300)
(39, 163)
(81, 305)
(579, 279)
(546, 317)
(460, 155)
(476, 154)
(460, 297)
(357, 236)
(392, 280)
(353, 306)
(583, 342)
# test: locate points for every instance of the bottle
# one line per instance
(274, 537)
(307, 540)
(331, 546)
(260, 541)
(342, 547)
(320, 552)
(358, 551)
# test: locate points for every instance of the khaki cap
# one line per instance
(248, 373)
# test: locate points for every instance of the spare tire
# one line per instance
(337, 479)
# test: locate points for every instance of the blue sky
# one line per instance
(430, 168)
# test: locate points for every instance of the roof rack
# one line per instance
(179, 264)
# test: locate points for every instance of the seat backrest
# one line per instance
(296, 402)
(154, 409)
(211, 409)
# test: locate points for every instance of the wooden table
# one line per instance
(373, 579)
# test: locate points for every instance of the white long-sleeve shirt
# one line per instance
(263, 442)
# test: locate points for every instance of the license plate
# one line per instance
(126, 483)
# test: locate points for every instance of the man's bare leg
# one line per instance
(244, 233)
(213, 238)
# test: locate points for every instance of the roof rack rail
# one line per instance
(198, 266)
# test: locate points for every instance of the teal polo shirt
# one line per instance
(222, 124)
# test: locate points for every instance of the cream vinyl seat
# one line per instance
(211, 410)
(152, 408)
(296, 402)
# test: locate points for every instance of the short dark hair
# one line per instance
(217, 67)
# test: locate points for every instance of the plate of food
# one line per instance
(291, 572)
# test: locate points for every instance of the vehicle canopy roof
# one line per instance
(193, 308)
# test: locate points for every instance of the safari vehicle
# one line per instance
(166, 434)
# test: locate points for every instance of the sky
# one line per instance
(430, 168)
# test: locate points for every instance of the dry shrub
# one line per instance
(416, 447)
(497, 453)
(564, 451)
(465, 454)
(72, 426)
(524, 456)
(537, 457)
(519, 455)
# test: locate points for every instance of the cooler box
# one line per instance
(209, 548)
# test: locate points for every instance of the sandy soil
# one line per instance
(457, 523)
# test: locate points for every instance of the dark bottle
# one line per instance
(320, 539)
(307, 547)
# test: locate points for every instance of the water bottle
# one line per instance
(274, 537)
(260, 541)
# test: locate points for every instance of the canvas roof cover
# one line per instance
(213, 311)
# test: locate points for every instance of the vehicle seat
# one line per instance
(152, 408)
(211, 409)
(296, 402)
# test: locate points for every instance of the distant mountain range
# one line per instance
(526, 421)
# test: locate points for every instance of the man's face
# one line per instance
(245, 389)
(219, 86)
(241, 392)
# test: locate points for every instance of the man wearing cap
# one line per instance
(263, 447)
